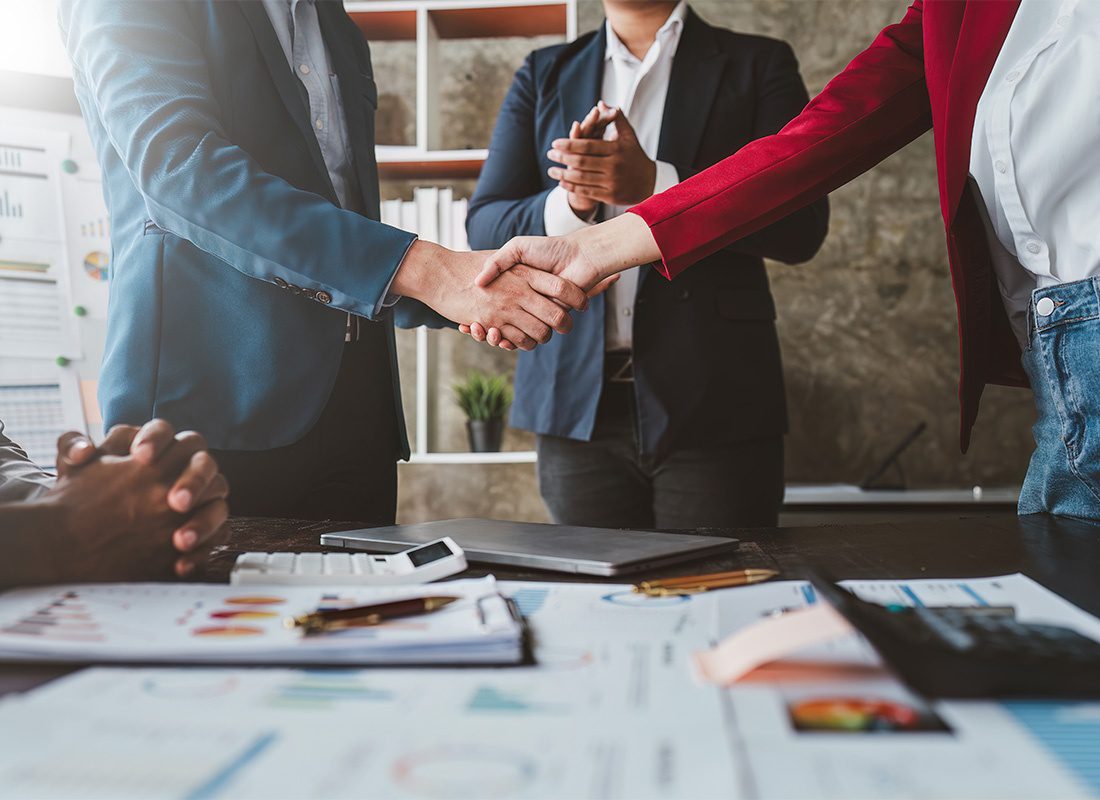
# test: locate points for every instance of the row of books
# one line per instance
(434, 215)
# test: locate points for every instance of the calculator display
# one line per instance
(426, 555)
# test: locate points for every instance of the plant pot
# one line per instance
(485, 435)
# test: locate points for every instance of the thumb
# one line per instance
(500, 262)
(623, 128)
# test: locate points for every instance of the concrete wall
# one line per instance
(868, 327)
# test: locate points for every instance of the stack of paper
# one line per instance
(434, 215)
(217, 624)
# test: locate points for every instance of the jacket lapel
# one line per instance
(290, 89)
(697, 71)
(984, 28)
(696, 75)
(580, 81)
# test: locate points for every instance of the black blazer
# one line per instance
(707, 363)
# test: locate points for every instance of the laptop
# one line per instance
(561, 548)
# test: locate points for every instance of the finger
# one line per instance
(119, 440)
(584, 147)
(591, 192)
(176, 458)
(203, 525)
(193, 482)
(477, 330)
(464, 329)
(550, 313)
(580, 177)
(533, 325)
(603, 286)
(520, 337)
(554, 287)
(73, 450)
(575, 130)
(588, 125)
(196, 558)
(506, 345)
(493, 337)
(154, 438)
(576, 161)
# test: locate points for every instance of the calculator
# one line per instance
(979, 651)
(422, 564)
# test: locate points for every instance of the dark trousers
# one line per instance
(607, 483)
(345, 468)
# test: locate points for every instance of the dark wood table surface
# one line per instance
(1062, 554)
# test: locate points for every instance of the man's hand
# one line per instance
(142, 500)
(616, 171)
(526, 308)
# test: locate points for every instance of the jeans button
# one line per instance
(1045, 307)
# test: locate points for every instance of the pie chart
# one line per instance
(228, 631)
(95, 265)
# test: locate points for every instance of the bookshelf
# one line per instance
(429, 25)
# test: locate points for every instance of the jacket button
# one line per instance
(324, 297)
(295, 290)
(281, 283)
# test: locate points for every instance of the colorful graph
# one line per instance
(95, 265)
(464, 771)
(319, 690)
(1068, 731)
(494, 700)
(65, 619)
(228, 631)
(635, 600)
(244, 613)
(255, 600)
(529, 601)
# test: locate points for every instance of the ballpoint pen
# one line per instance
(692, 584)
(365, 616)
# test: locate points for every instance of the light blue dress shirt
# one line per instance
(299, 32)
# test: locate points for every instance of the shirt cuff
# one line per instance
(558, 216)
(667, 177)
(388, 298)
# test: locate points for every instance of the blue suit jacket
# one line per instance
(232, 265)
(706, 356)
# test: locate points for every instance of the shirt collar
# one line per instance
(670, 31)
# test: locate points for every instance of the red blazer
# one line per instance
(928, 70)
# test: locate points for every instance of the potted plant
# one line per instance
(485, 399)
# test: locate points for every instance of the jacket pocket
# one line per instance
(745, 304)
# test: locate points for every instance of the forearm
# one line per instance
(617, 245)
(28, 535)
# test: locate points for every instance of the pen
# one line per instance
(364, 616)
(690, 584)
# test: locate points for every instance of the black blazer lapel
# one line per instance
(697, 71)
(290, 89)
(580, 81)
(696, 75)
(338, 32)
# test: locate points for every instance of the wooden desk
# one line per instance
(1064, 555)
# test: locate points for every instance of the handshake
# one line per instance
(519, 296)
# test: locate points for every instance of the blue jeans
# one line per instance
(1063, 362)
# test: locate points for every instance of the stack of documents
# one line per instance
(218, 624)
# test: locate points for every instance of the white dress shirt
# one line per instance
(1035, 152)
(639, 88)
